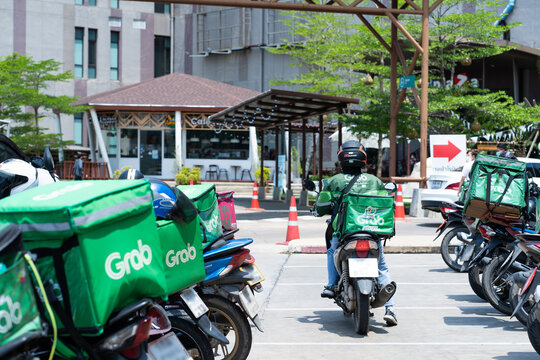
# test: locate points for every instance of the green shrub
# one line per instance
(181, 179)
(117, 172)
(195, 175)
(266, 174)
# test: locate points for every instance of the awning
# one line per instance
(279, 107)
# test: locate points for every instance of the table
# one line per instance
(235, 168)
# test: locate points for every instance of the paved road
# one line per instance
(439, 315)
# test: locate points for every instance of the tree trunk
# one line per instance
(36, 119)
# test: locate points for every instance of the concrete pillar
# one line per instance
(101, 143)
(178, 139)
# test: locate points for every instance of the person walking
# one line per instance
(78, 167)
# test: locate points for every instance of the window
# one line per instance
(109, 138)
(77, 128)
(115, 37)
(220, 29)
(79, 2)
(128, 143)
(79, 37)
(114, 4)
(169, 151)
(92, 40)
(91, 2)
(161, 8)
(162, 55)
(206, 144)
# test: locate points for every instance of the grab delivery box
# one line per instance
(361, 212)
(205, 199)
(95, 240)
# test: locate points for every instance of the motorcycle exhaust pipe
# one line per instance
(384, 295)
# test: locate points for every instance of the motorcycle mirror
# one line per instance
(390, 187)
(183, 210)
(48, 159)
(308, 184)
(37, 162)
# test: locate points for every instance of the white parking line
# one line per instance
(398, 283)
(397, 308)
(391, 266)
(391, 344)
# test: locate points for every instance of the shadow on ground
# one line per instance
(336, 323)
(518, 355)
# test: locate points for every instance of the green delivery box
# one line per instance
(373, 213)
(19, 314)
(497, 185)
(101, 234)
(204, 198)
(181, 246)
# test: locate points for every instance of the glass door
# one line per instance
(151, 152)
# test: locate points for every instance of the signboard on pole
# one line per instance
(406, 82)
(448, 152)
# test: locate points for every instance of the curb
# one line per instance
(387, 250)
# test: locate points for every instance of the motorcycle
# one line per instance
(356, 259)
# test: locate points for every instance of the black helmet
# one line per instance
(352, 157)
(131, 174)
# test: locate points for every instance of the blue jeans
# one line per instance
(333, 275)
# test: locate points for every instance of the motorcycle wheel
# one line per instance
(193, 339)
(475, 280)
(232, 323)
(452, 248)
(533, 327)
(498, 294)
(523, 314)
(361, 313)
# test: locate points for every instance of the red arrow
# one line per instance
(449, 151)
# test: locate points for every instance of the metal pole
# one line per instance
(424, 90)
(289, 158)
(340, 131)
(276, 158)
(304, 175)
(314, 154)
(321, 135)
(393, 94)
(261, 184)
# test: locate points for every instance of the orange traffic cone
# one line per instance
(190, 181)
(400, 209)
(255, 198)
(292, 229)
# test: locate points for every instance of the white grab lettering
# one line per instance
(10, 317)
(173, 259)
(116, 267)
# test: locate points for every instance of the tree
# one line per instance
(342, 57)
(23, 83)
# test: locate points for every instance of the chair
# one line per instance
(212, 170)
(223, 171)
(248, 172)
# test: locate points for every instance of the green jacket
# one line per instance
(366, 184)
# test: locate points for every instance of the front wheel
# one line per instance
(497, 293)
(361, 313)
(232, 323)
(475, 280)
(452, 248)
(192, 338)
(533, 327)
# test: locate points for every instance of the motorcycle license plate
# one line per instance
(360, 268)
(255, 274)
(194, 302)
(167, 347)
(247, 299)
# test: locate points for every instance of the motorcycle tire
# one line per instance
(361, 313)
(523, 314)
(194, 340)
(533, 327)
(498, 294)
(475, 280)
(232, 323)
(451, 252)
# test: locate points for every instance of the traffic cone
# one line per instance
(255, 198)
(190, 181)
(400, 208)
(292, 229)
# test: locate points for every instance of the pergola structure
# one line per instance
(421, 8)
(279, 109)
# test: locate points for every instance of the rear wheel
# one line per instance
(533, 327)
(523, 313)
(452, 248)
(232, 323)
(497, 293)
(193, 339)
(475, 280)
(361, 313)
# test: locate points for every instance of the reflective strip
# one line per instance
(254, 197)
(47, 227)
(255, 189)
(292, 208)
(399, 204)
(293, 223)
(324, 204)
(97, 215)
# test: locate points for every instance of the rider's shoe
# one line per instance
(329, 292)
(390, 317)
